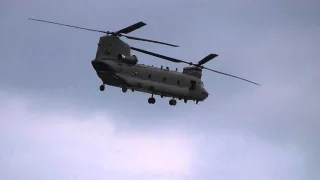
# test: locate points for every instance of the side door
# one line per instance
(193, 85)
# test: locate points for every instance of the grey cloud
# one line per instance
(42, 143)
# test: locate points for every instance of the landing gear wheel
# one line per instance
(102, 88)
(172, 102)
(124, 90)
(151, 100)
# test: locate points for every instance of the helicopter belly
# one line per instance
(154, 87)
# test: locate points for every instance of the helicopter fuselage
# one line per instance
(115, 66)
(149, 79)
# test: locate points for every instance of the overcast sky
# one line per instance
(56, 124)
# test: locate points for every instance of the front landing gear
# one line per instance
(124, 90)
(102, 87)
(172, 102)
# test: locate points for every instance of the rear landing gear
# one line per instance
(102, 88)
(172, 102)
(124, 90)
(151, 100)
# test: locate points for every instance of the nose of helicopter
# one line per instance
(205, 93)
(100, 65)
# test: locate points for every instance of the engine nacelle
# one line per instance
(128, 59)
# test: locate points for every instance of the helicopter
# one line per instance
(117, 67)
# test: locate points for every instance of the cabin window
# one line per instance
(178, 82)
(149, 76)
(164, 79)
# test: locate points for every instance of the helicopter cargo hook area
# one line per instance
(117, 67)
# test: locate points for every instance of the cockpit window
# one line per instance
(201, 84)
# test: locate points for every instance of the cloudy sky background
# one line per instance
(56, 124)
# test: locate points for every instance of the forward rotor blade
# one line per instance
(159, 55)
(231, 76)
(131, 28)
(147, 40)
(69, 25)
(207, 59)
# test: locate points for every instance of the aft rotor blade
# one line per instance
(207, 59)
(159, 55)
(69, 25)
(147, 40)
(132, 28)
(231, 75)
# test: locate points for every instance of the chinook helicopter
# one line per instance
(117, 67)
